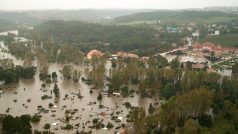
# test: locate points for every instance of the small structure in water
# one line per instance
(55, 123)
(116, 94)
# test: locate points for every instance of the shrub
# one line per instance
(95, 120)
(46, 126)
(35, 118)
(68, 126)
(110, 125)
(127, 104)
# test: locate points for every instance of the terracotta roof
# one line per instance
(126, 55)
(94, 53)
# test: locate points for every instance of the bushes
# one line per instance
(46, 126)
(37, 132)
(56, 90)
(109, 125)
(35, 118)
(127, 104)
(95, 120)
(168, 90)
(67, 126)
(99, 125)
(99, 97)
(13, 75)
(51, 105)
(44, 97)
(151, 109)
(9, 76)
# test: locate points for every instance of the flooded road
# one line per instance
(25, 98)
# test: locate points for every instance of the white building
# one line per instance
(195, 34)
(217, 32)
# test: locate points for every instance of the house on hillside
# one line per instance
(217, 32)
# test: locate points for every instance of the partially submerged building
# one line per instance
(126, 55)
(94, 53)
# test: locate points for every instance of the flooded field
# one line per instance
(25, 98)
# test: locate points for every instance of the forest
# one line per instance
(142, 40)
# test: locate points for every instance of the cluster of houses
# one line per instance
(200, 47)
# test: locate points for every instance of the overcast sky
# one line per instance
(101, 4)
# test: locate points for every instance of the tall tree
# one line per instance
(168, 90)
(56, 90)
(138, 118)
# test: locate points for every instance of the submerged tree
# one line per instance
(99, 97)
(168, 90)
(54, 75)
(175, 63)
(235, 69)
(16, 125)
(138, 118)
(56, 90)
(67, 71)
(76, 75)
(151, 109)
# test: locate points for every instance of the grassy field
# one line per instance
(223, 40)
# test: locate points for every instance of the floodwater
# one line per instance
(27, 95)
(12, 31)
(186, 58)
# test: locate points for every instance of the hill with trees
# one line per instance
(10, 20)
(111, 38)
(224, 40)
(178, 17)
(7, 25)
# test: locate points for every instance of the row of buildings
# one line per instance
(199, 47)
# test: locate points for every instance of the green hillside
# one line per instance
(19, 18)
(6, 25)
(224, 40)
(96, 36)
(178, 17)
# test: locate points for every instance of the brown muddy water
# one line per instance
(31, 90)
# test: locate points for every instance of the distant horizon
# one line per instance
(16, 5)
(61, 9)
